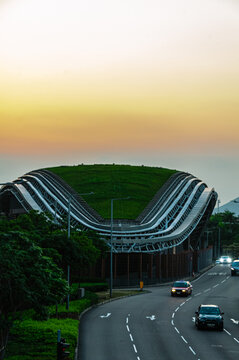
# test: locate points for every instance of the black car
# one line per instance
(183, 288)
(209, 316)
(235, 267)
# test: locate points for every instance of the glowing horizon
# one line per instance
(116, 76)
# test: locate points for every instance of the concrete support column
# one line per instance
(115, 266)
(102, 268)
(140, 266)
(167, 255)
(128, 268)
(150, 266)
(157, 266)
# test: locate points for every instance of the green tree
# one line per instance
(228, 225)
(77, 251)
(80, 251)
(27, 279)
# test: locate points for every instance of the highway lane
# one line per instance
(157, 326)
(215, 287)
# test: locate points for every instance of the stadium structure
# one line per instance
(172, 223)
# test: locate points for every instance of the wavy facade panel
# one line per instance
(177, 212)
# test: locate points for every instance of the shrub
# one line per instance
(32, 339)
(95, 287)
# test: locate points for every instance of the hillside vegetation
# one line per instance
(140, 183)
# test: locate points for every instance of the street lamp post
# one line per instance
(111, 241)
(69, 218)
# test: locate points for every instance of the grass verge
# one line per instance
(36, 340)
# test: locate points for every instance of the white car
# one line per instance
(225, 260)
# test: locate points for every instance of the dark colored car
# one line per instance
(235, 267)
(209, 316)
(181, 288)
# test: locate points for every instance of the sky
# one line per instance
(150, 82)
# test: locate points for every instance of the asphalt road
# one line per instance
(156, 326)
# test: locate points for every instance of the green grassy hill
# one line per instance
(140, 183)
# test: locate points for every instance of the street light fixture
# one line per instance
(111, 240)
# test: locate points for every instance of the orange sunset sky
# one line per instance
(136, 82)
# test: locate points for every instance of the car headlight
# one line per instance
(183, 290)
(229, 260)
(173, 290)
(232, 268)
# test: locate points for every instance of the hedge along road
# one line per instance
(156, 326)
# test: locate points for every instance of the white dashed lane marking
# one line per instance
(174, 313)
(184, 339)
(192, 350)
(227, 332)
(131, 337)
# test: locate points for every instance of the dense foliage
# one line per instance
(34, 255)
(225, 226)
